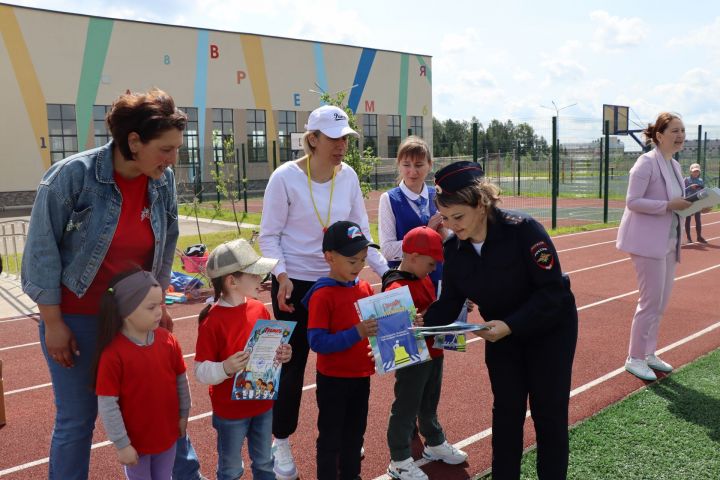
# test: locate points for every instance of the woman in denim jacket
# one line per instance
(97, 213)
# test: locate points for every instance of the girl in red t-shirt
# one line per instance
(140, 377)
(236, 271)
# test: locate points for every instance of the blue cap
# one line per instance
(457, 176)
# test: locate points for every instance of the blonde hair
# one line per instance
(413, 147)
(309, 149)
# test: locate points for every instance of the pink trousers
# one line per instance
(655, 280)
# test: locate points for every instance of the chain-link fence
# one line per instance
(560, 186)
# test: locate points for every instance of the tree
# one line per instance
(362, 162)
(224, 149)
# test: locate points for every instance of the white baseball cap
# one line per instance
(330, 120)
(695, 167)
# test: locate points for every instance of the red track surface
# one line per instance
(606, 300)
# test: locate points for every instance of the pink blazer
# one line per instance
(646, 222)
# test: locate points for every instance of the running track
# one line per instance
(604, 284)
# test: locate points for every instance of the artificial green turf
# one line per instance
(667, 431)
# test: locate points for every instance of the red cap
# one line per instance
(424, 241)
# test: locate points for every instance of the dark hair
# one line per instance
(660, 125)
(217, 284)
(110, 321)
(148, 114)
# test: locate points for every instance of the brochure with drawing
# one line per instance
(449, 329)
(261, 377)
(395, 345)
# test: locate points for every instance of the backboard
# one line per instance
(618, 117)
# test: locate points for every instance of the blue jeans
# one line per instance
(230, 437)
(75, 402)
(76, 410)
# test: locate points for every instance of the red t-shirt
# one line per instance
(223, 332)
(145, 380)
(333, 309)
(423, 294)
(133, 244)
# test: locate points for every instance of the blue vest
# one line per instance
(406, 219)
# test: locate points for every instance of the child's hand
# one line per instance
(182, 427)
(370, 352)
(419, 321)
(368, 328)
(128, 456)
(284, 353)
(235, 362)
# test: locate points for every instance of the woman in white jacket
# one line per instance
(303, 198)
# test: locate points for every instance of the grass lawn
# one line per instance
(667, 431)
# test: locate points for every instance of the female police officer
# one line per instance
(506, 263)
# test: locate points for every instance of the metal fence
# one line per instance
(582, 180)
(13, 234)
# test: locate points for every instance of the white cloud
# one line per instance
(563, 70)
(463, 42)
(617, 33)
(707, 37)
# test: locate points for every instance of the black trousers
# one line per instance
(292, 375)
(698, 225)
(538, 368)
(342, 419)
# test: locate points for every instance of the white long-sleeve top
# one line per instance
(390, 245)
(290, 230)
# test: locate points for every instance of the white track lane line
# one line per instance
(462, 443)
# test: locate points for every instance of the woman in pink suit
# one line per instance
(650, 233)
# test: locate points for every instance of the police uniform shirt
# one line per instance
(517, 278)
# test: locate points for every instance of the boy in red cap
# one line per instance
(417, 388)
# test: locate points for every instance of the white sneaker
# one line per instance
(445, 452)
(362, 452)
(406, 470)
(639, 368)
(655, 363)
(283, 463)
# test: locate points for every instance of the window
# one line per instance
(63, 131)
(223, 132)
(370, 132)
(257, 138)
(288, 125)
(416, 125)
(100, 130)
(393, 138)
(189, 153)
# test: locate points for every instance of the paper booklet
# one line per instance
(260, 380)
(455, 341)
(395, 346)
(707, 197)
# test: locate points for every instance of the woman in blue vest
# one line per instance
(409, 205)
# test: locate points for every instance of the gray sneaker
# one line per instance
(406, 470)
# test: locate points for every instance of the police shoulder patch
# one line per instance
(542, 255)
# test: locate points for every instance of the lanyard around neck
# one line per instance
(326, 223)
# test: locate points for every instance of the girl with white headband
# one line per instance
(141, 379)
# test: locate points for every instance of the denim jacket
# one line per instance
(73, 221)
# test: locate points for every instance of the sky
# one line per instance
(506, 59)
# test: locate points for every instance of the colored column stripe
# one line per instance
(428, 71)
(320, 72)
(27, 79)
(255, 58)
(200, 94)
(96, 47)
(403, 94)
(361, 75)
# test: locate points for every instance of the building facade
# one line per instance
(60, 72)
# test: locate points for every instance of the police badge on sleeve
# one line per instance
(542, 255)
